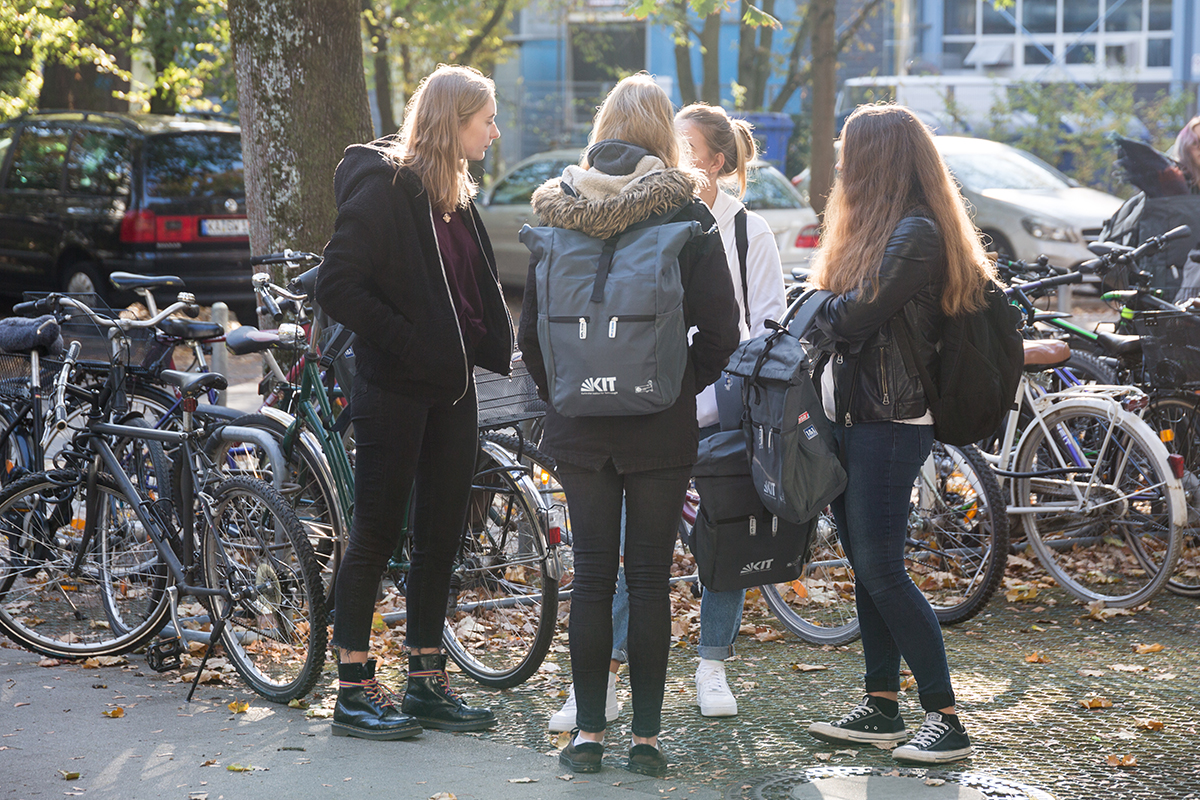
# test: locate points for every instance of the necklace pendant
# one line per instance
(446, 218)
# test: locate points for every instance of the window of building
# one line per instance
(1158, 53)
(1040, 16)
(1034, 55)
(1123, 16)
(1160, 15)
(959, 17)
(1116, 55)
(997, 21)
(602, 54)
(1081, 54)
(953, 54)
(1079, 15)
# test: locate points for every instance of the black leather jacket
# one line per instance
(873, 380)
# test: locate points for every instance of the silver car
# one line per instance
(505, 207)
(1022, 205)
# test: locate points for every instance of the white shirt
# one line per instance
(764, 282)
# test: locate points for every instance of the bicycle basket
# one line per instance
(505, 400)
(147, 355)
(15, 371)
(1170, 347)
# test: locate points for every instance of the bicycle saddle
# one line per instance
(127, 281)
(190, 328)
(1116, 344)
(249, 339)
(191, 384)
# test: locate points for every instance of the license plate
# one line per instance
(238, 226)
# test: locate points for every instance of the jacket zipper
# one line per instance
(883, 376)
(848, 421)
(449, 296)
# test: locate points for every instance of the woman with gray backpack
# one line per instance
(624, 228)
(899, 253)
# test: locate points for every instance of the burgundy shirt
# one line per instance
(462, 258)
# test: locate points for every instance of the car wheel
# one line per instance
(996, 242)
(81, 277)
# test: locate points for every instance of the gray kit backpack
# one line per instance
(610, 316)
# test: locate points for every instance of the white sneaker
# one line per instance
(712, 691)
(564, 718)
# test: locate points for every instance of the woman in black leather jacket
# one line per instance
(897, 241)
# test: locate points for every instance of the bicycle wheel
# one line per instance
(503, 595)
(1176, 421)
(957, 543)
(1084, 368)
(544, 471)
(819, 605)
(256, 549)
(113, 602)
(1108, 531)
(308, 486)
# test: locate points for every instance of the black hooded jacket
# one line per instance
(383, 279)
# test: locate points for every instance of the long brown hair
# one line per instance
(889, 166)
(638, 111)
(1187, 151)
(429, 142)
(723, 134)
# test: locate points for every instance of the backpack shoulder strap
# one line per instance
(610, 247)
(742, 239)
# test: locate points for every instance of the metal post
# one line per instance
(220, 356)
(1064, 298)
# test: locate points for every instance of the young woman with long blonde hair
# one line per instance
(896, 240)
(410, 270)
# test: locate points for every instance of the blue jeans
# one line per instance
(882, 461)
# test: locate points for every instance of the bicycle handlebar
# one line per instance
(297, 257)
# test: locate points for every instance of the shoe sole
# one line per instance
(566, 726)
(341, 729)
(442, 725)
(584, 768)
(646, 769)
(933, 757)
(828, 733)
(719, 711)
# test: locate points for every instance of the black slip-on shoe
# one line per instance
(584, 757)
(646, 759)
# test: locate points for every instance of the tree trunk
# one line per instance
(683, 54)
(824, 92)
(83, 87)
(383, 70)
(303, 98)
(754, 58)
(710, 58)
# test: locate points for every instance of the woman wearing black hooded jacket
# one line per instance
(632, 174)
(410, 270)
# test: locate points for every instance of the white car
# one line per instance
(505, 207)
(1022, 205)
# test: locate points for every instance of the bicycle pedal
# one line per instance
(164, 655)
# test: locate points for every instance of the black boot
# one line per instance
(430, 699)
(365, 709)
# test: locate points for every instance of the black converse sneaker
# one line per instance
(865, 724)
(937, 742)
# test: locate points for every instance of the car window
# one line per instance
(6, 137)
(1001, 169)
(38, 159)
(767, 189)
(518, 186)
(99, 164)
(194, 165)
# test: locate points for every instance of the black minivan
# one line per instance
(84, 194)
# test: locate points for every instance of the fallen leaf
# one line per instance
(565, 777)
(1122, 761)
(522, 780)
(319, 713)
(1021, 593)
(809, 667)
(822, 756)
(69, 776)
(296, 702)
(49, 662)
(562, 740)
(908, 683)
(934, 781)
(769, 635)
(1036, 628)
(443, 796)
(115, 713)
(850, 753)
(1036, 657)
(1127, 667)
(95, 662)
(377, 623)
(1097, 610)
(1149, 724)
(18, 705)
(239, 706)
(1091, 673)
(212, 762)
(1094, 701)
(240, 768)
(1142, 649)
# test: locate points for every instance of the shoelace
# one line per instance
(440, 677)
(930, 730)
(715, 678)
(859, 711)
(376, 692)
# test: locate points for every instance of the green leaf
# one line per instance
(757, 18)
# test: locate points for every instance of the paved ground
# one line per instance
(1026, 714)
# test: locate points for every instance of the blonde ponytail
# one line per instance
(733, 138)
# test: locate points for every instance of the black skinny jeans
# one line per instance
(653, 501)
(400, 439)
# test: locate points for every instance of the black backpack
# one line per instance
(981, 361)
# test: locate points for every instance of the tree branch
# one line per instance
(474, 43)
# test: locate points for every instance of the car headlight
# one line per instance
(1045, 229)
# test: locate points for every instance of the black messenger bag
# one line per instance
(737, 542)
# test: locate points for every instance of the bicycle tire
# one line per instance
(276, 637)
(503, 601)
(1176, 421)
(1087, 368)
(957, 543)
(115, 604)
(1121, 546)
(819, 606)
(308, 487)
